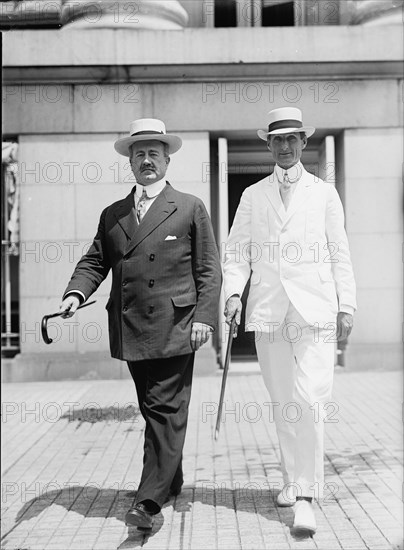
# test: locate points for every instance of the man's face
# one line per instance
(286, 149)
(148, 161)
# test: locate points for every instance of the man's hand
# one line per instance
(344, 325)
(69, 305)
(233, 308)
(199, 335)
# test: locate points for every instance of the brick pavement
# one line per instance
(67, 481)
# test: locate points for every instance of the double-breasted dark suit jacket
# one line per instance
(166, 274)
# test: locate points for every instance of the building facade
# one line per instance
(76, 73)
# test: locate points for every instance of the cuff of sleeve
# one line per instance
(76, 292)
(206, 325)
(346, 309)
(233, 294)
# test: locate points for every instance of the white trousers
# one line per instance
(297, 364)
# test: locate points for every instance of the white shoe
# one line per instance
(286, 497)
(304, 516)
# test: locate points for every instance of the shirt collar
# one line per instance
(152, 190)
(294, 172)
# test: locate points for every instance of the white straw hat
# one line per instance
(146, 129)
(286, 120)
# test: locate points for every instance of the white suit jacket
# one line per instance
(300, 255)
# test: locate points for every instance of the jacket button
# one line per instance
(151, 309)
(125, 259)
(151, 257)
(124, 283)
(151, 282)
(125, 308)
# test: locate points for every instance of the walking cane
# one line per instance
(44, 324)
(225, 371)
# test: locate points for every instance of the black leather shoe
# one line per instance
(139, 516)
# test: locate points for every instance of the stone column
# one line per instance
(30, 14)
(378, 12)
(309, 13)
(121, 14)
(372, 195)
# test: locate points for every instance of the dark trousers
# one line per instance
(163, 388)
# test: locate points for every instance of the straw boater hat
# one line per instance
(286, 120)
(146, 129)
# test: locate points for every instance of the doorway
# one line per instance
(243, 346)
(10, 344)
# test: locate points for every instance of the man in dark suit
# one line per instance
(163, 304)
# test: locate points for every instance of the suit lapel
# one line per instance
(126, 216)
(300, 196)
(160, 210)
(271, 188)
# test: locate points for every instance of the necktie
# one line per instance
(141, 206)
(286, 193)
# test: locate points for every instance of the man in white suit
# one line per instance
(288, 235)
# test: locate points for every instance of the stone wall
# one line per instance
(67, 112)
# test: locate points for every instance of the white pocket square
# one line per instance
(170, 238)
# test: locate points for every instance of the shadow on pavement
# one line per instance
(90, 502)
(127, 413)
(94, 502)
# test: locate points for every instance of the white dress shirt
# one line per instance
(294, 174)
(152, 192)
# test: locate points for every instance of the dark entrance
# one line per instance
(243, 345)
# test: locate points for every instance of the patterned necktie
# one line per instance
(141, 206)
(286, 193)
